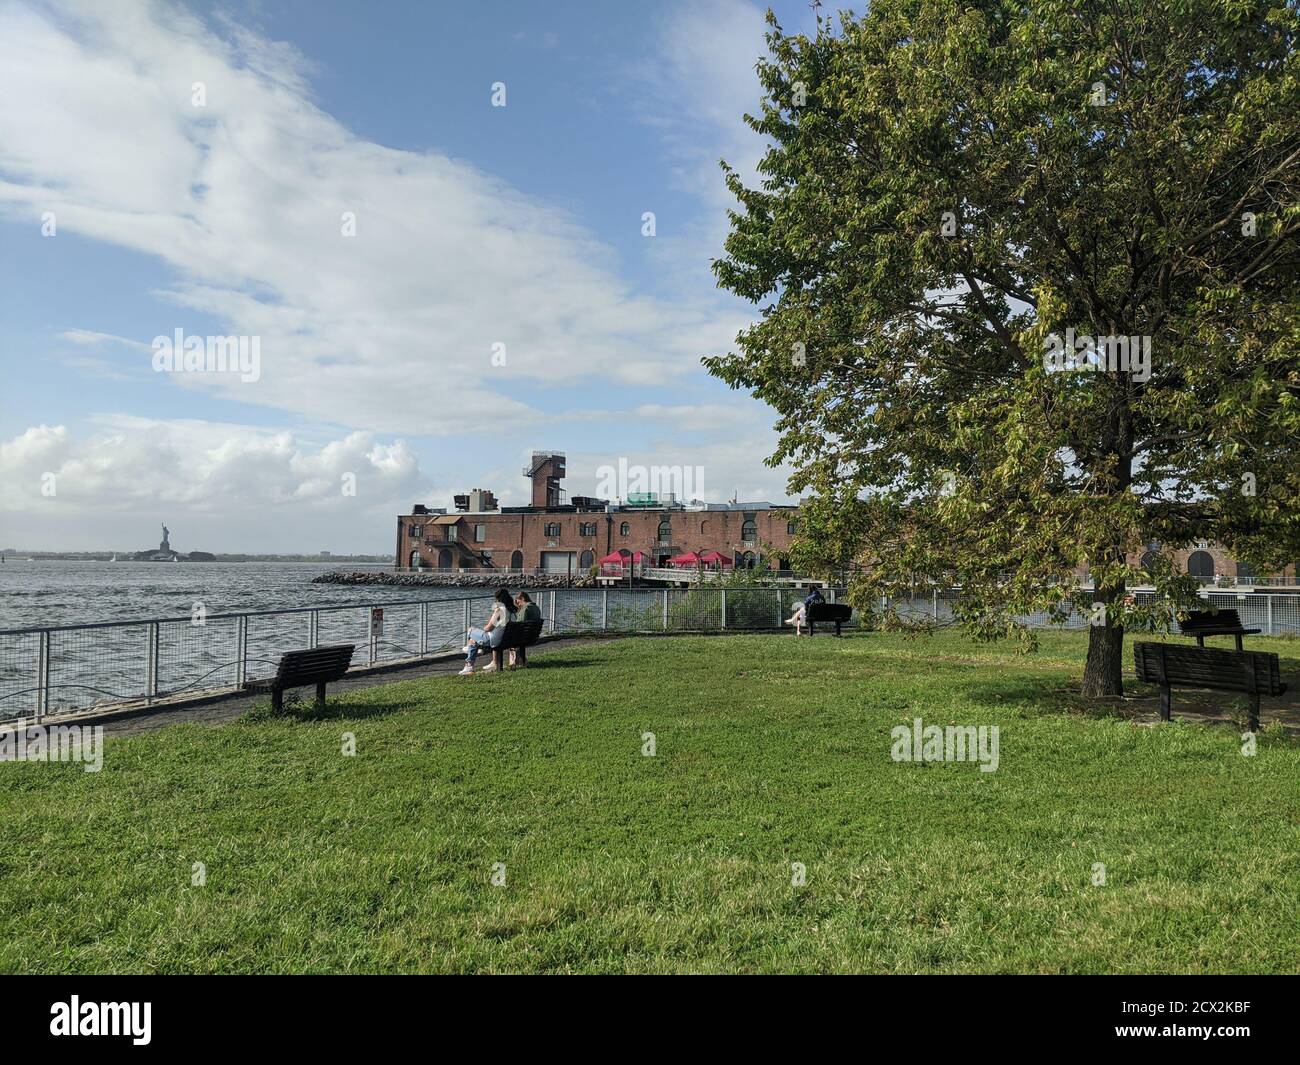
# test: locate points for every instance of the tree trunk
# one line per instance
(1103, 673)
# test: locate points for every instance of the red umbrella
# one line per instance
(717, 558)
(689, 560)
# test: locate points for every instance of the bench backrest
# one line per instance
(521, 634)
(829, 612)
(314, 665)
(1203, 621)
(1208, 667)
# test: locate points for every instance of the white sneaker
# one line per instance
(468, 671)
(491, 667)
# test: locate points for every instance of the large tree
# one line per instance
(949, 187)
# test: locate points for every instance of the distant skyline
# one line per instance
(437, 285)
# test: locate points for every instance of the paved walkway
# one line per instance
(221, 709)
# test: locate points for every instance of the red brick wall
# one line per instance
(692, 530)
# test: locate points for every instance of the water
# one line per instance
(52, 593)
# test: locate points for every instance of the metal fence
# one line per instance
(57, 670)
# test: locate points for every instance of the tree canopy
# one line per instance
(954, 191)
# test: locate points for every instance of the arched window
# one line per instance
(1149, 560)
(516, 560)
(1200, 564)
(665, 531)
(791, 527)
(749, 531)
(415, 560)
(625, 529)
(444, 559)
(1245, 573)
(704, 528)
(747, 560)
(586, 560)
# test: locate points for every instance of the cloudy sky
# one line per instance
(437, 285)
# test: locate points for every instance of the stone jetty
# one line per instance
(490, 579)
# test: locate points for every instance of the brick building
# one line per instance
(562, 536)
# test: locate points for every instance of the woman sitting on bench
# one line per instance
(800, 615)
(489, 636)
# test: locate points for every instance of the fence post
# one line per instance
(1268, 625)
(465, 626)
(241, 651)
(724, 608)
(779, 611)
(424, 628)
(313, 629)
(151, 677)
(43, 676)
(604, 609)
(665, 610)
(552, 613)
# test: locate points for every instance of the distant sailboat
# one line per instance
(114, 558)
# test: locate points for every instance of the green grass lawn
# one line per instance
(770, 751)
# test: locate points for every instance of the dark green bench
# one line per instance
(832, 613)
(1202, 623)
(299, 669)
(1254, 672)
(518, 636)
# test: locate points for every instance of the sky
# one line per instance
(434, 284)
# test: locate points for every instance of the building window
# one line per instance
(746, 560)
(625, 529)
(452, 533)
(415, 560)
(517, 560)
(417, 532)
(587, 528)
(665, 531)
(444, 559)
(704, 528)
(552, 528)
(1245, 572)
(1200, 564)
(480, 533)
(487, 559)
(586, 560)
(1149, 561)
(791, 528)
(749, 531)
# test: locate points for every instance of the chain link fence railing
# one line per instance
(57, 670)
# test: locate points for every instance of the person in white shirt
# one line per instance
(489, 636)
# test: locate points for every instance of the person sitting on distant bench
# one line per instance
(489, 636)
(800, 614)
(525, 610)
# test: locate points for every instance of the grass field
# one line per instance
(770, 751)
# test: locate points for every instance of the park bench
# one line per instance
(834, 613)
(299, 669)
(517, 636)
(1254, 672)
(1201, 623)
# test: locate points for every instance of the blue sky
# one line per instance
(475, 226)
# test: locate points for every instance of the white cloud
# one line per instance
(224, 478)
(244, 198)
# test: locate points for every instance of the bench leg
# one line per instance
(521, 656)
(1200, 640)
(1166, 698)
(1254, 711)
(1239, 641)
(320, 695)
(277, 698)
(498, 657)
(837, 628)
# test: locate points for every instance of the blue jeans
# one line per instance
(478, 641)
